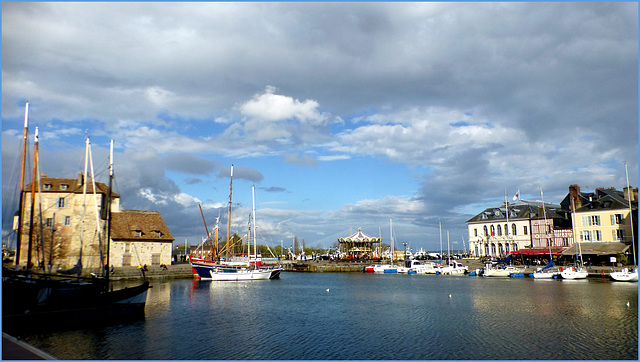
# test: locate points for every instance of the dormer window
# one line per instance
(46, 187)
(136, 233)
(157, 234)
(64, 187)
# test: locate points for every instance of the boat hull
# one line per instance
(30, 301)
(573, 273)
(545, 275)
(217, 272)
(624, 276)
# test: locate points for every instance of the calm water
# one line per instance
(364, 316)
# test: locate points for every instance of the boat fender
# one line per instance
(560, 269)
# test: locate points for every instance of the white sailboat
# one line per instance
(626, 274)
(453, 267)
(212, 270)
(546, 272)
(578, 271)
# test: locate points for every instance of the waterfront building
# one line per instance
(68, 225)
(602, 222)
(139, 238)
(359, 245)
(512, 227)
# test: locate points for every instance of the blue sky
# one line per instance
(343, 115)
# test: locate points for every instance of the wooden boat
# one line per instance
(30, 297)
(229, 270)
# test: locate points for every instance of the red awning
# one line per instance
(537, 251)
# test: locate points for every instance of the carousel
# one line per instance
(360, 246)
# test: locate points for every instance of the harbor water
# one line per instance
(313, 316)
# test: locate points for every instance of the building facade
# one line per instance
(65, 225)
(501, 230)
(139, 238)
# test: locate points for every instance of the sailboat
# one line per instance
(626, 274)
(232, 271)
(386, 268)
(546, 272)
(32, 298)
(578, 271)
(453, 267)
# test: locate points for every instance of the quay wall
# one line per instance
(183, 270)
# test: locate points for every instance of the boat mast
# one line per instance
(448, 251)
(229, 215)
(546, 228)
(213, 253)
(255, 242)
(106, 268)
(33, 197)
(633, 247)
(440, 225)
(392, 241)
(24, 157)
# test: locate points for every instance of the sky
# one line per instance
(343, 115)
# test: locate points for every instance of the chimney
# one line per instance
(634, 193)
(80, 179)
(43, 175)
(574, 194)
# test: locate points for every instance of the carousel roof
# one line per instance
(360, 236)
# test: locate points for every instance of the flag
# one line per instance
(516, 196)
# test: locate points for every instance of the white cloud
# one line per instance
(269, 106)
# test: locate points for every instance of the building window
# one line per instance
(486, 232)
(136, 233)
(64, 187)
(514, 229)
(493, 230)
(475, 232)
(592, 220)
(48, 222)
(157, 234)
(499, 230)
(565, 241)
(46, 187)
(525, 230)
(67, 220)
(591, 235)
(617, 219)
(618, 235)
(60, 202)
(506, 230)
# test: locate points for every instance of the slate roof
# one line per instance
(521, 209)
(137, 225)
(56, 185)
(607, 200)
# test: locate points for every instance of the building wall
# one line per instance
(559, 237)
(489, 238)
(134, 253)
(70, 222)
(603, 226)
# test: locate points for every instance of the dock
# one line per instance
(15, 349)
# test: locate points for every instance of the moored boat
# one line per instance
(246, 268)
(625, 275)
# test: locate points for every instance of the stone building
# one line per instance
(514, 226)
(68, 225)
(139, 238)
